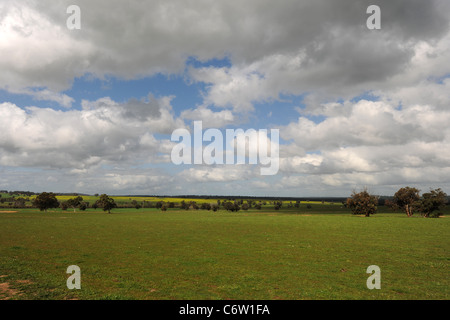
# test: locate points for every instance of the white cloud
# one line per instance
(103, 131)
(209, 118)
(320, 49)
(223, 173)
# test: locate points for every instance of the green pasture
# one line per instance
(317, 253)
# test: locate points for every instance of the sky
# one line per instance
(92, 109)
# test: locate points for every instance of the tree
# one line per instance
(136, 204)
(183, 204)
(431, 203)
(45, 201)
(205, 206)
(363, 203)
(75, 202)
(63, 205)
(83, 206)
(106, 203)
(405, 198)
(230, 206)
(19, 203)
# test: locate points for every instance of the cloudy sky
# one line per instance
(92, 110)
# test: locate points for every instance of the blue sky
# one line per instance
(92, 110)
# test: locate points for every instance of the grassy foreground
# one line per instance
(149, 254)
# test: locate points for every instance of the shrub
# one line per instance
(363, 203)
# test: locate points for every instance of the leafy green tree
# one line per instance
(205, 206)
(230, 206)
(45, 201)
(19, 203)
(75, 202)
(136, 204)
(106, 203)
(431, 203)
(83, 206)
(362, 203)
(405, 198)
(63, 205)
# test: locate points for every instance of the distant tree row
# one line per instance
(47, 200)
(407, 199)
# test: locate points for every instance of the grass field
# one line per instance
(291, 254)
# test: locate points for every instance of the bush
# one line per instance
(63, 205)
(363, 203)
(431, 203)
(205, 206)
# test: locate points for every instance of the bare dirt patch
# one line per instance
(6, 292)
(8, 211)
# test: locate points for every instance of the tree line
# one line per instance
(48, 200)
(407, 199)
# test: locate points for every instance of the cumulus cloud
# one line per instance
(303, 44)
(103, 131)
(371, 143)
(223, 173)
(320, 50)
(209, 118)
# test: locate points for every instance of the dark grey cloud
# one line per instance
(138, 38)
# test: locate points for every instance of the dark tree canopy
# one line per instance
(405, 198)
(363, 203)
(106, 203)
(45, 201)
(75, 202)
(432, 202)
